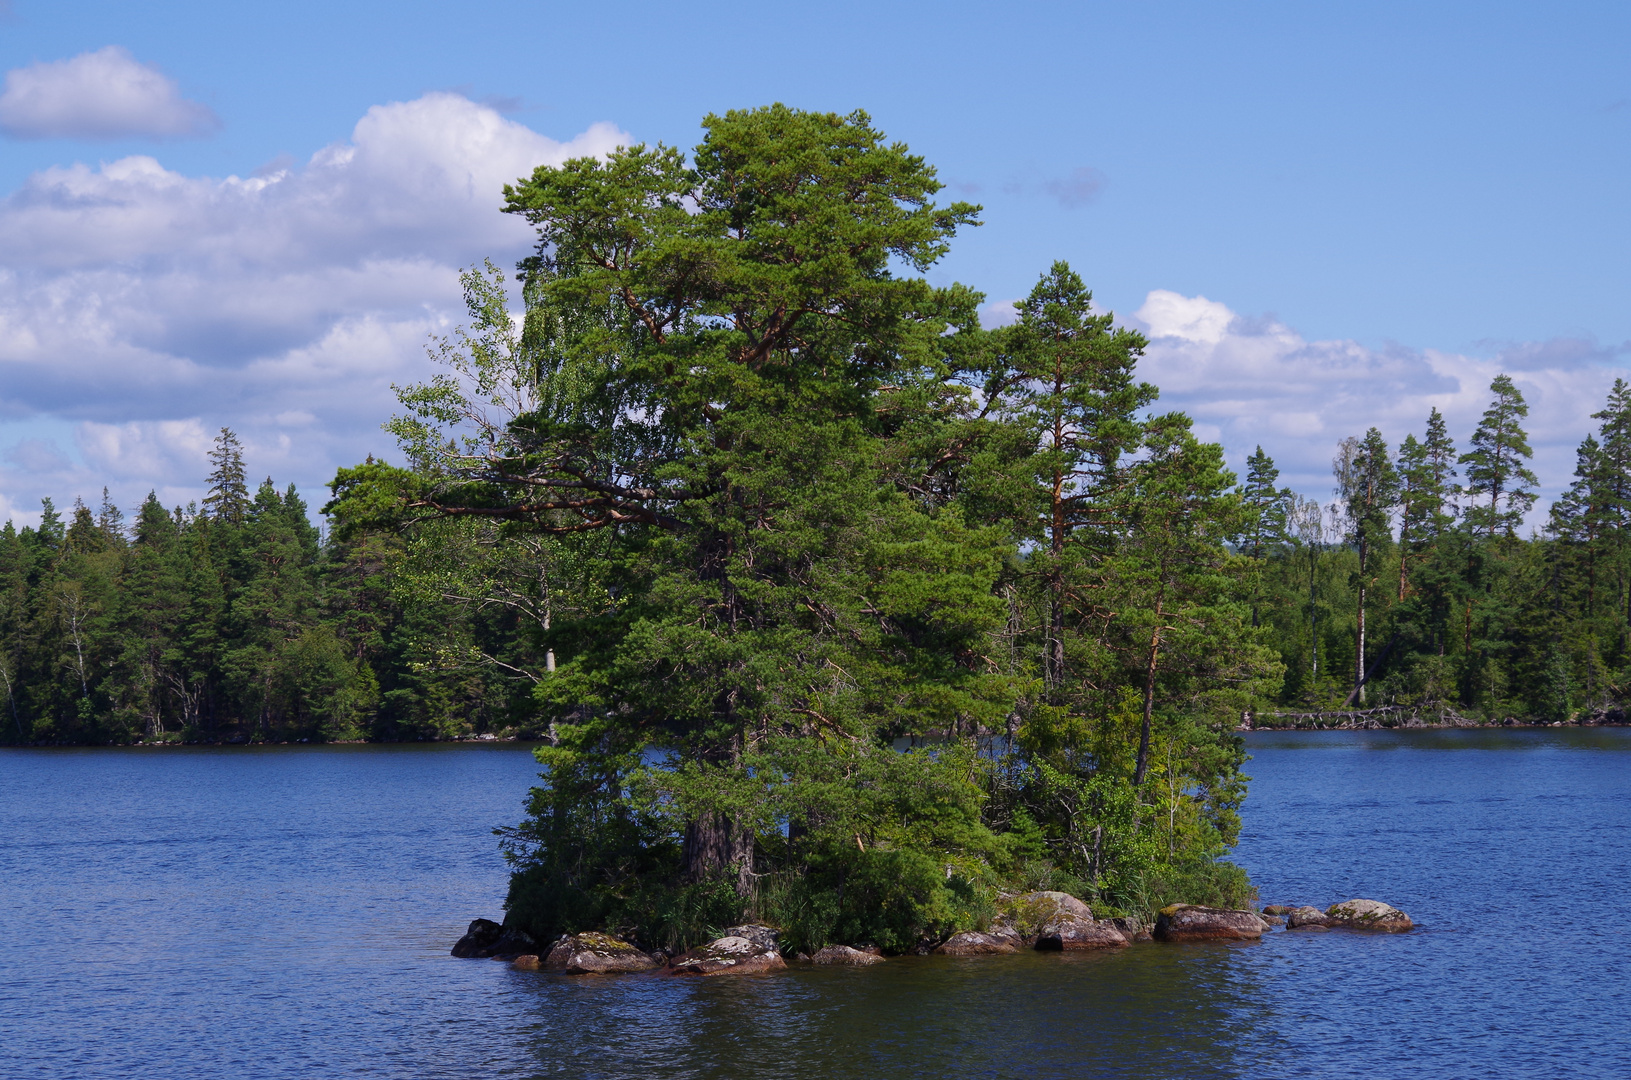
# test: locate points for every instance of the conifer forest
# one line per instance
(813, 590)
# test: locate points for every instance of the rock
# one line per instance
(1193, 922)
(511, 944)
(763, 936)
(727, 956)
(977, 943)
(527, 962)
(478, 940)
(1132, 929)
(1076, 935)
(974, 943)
(1368, 915)
(1024, 916)
(595, 954)
(1305, 916)
(1273, 920)
(845, 956)
(1278, 909)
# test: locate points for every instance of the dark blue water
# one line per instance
(287, 912)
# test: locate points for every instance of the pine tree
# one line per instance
(1368, 485)
(1067, 378)
(1499, 484)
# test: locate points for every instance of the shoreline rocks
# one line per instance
(1047, 921)
(845, 956)
(727, 956)
(477, 940)
(592, 954)
(974, 943)
(1193, 922)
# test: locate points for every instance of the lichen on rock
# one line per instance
(1368, 915)
(727, 956)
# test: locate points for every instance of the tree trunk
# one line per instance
(718, 847)
(1359, 646)
(1149, 698)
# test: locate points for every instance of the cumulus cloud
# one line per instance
(149, 308)
(1257, 381)
(106, 94)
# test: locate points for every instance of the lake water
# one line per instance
(286, 912)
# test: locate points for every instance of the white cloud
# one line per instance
(149, 308)
(1249, 382)
(106, 94)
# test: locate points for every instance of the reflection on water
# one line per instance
(1158, 1013)
(287, 912)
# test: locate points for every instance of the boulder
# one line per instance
(511, 944)
(595, 954)
(845, 956)
(478, 940)
(763, 936)
(527, 962)
(974, 943)
(1022, 917)
(1368, 915)
(1278, 909)
(727, 956)
(1305, 916)
(1076, 935)
(1193, 922)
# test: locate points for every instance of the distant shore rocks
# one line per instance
(728, 956)
(1368, 915)
(1193, 922)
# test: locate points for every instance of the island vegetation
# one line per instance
(828, 606)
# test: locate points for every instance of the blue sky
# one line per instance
(1327, 215)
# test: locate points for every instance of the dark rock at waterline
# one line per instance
(766, 937)
(845, 956)
(1305, 917)
(1368, 915)
(1193, 922)
(595, 954)
(478, 940)
(1278, 909)
(975, 943)
(1274, 920)
(512, 943)
(727, 956)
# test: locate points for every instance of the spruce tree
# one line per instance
(228, 496)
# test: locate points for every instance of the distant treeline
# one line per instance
(1413, 586)
(233, 620)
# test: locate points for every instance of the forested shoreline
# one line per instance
(828, 605)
